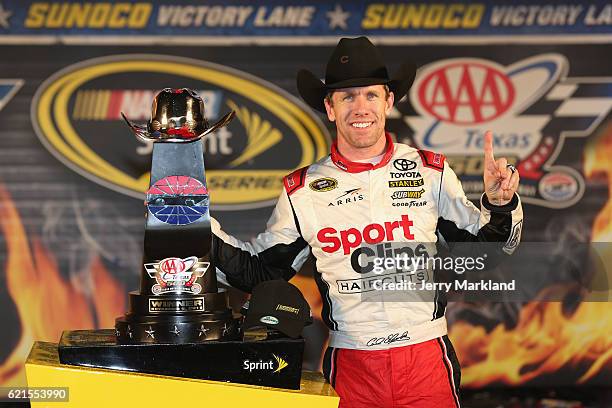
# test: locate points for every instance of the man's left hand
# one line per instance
(500, 179)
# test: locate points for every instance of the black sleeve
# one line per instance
(244, 270)
(276, 253)
(488, 242)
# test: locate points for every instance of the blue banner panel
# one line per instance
(282, 21)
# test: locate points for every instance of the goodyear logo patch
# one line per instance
(76, 115)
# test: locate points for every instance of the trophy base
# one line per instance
(133, 329)
(274, 363)
(177, 319)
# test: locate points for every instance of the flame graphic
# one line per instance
(46, 303)
(546, 341)
(598, 163)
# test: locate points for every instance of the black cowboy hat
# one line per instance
(177, 115)
(354, 62)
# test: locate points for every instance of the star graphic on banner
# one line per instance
(4, 17)
(337, 17)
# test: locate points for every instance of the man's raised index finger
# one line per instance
(488, 145)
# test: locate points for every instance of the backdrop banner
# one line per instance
(72, 176)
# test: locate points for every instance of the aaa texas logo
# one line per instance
(177, 275)
(532, 109)
(76, 114)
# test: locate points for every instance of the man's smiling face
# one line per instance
(360, 113)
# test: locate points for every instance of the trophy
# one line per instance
(179, 323)
(178, 300)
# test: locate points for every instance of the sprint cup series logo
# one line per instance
(177, 275)
(76, 114)
(531, 107)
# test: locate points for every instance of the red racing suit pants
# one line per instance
(423, 375)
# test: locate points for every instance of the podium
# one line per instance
(94, 387)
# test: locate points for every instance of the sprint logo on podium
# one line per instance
(275, 366)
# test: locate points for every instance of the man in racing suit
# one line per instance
(371, 191)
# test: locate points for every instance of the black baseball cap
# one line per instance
(279, 305)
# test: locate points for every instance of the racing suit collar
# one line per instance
(354, 167)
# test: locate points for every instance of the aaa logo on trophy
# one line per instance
(177, 275)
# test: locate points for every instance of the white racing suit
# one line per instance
(335, 206)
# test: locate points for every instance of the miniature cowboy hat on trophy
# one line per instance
(177, 115)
